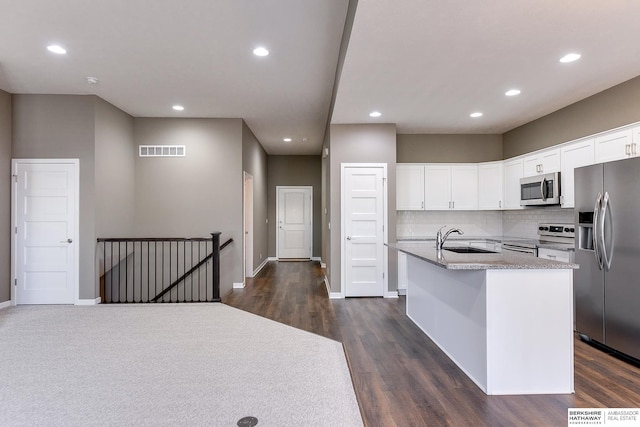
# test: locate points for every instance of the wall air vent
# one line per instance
(162, 151)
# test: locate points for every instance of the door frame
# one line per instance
(14, 219)
(385, 220)
(277, 216)
(247, 223)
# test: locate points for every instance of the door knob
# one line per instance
(348, 237)
(66, 241)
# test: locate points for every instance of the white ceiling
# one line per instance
(149, 55)
(425, 64)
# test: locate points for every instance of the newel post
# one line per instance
(215, 240)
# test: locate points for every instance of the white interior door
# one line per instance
(248, 225)
(45, 231)
(294, 222)
(363, 227)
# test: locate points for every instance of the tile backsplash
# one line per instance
(524, 223)
(517, 223)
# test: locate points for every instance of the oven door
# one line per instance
(540, 190)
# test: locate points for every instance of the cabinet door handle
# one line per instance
(633, 149)
(500, 203)
(627, 149)
(422, 205)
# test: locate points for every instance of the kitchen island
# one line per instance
(506, 320)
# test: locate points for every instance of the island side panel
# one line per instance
(450, 307)
(530, 331)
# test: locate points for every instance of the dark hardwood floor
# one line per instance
(401, 377)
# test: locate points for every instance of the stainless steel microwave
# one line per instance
(540, 190)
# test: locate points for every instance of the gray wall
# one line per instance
(295, 171)
(115, 156)
(62, 126)
(254, 162)
(197, 194)
(436, 148)
(617, 106)
(365, 143)
(5, 196)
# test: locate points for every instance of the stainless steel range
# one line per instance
(558, 234)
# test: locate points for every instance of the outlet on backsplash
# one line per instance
(518, 223)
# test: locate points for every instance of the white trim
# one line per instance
(89, 301)
(306, 187)
(332, 295)
(385, 220)
(5, 304)
(391, 294)
(14, 219)
(402, 291)
(273, 258)
(316, 258)
(261, 266)
(238, 285)
(323, 264)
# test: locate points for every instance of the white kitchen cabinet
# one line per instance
(451, 187)
(513, 171)
(554, 254)
(490, 187)
(615, 146)
(542, 162)
(409, 187)
(575, 155)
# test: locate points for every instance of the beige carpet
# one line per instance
(167, 364)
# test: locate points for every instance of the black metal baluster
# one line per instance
(215, 240)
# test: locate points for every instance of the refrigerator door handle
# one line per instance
(607, 252)
(596, 233)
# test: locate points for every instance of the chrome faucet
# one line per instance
(440, 239)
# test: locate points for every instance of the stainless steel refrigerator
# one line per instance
(607, 284)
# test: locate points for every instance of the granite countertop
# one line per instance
(426, 251)
(497, 239)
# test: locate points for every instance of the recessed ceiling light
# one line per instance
(287, 140)
(512, 92)
(56, 49)
(178, 107)
(476, 114)
(260, 51)
(375, 114)
(570, 57)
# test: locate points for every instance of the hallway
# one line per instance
(401, 378)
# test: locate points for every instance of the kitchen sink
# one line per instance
(467, 250)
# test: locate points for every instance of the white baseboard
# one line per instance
(273, 258)
(323, 264)
(391, 294)
(316, 258)
(260, 267)
(5, 304)
(239, 285)
(95, 301)
(332, 295)
(402, 291)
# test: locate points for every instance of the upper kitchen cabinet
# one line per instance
(490, 191)
(574, 155)
(451, 187)
(409, 187)
(615, 146)
(513, 171)
(542, 162)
